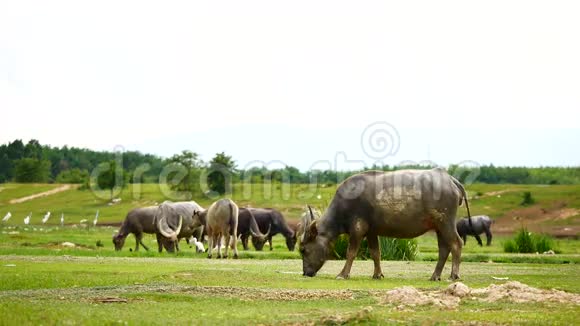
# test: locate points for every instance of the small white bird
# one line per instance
(46, 217)
(198, 245)
(27, 219)
(84, 220)
(7, 217)
(96, 219)
(62, 219)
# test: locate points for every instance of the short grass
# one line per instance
(64, 289)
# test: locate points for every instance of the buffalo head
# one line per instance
(119, 241)
(314, 247)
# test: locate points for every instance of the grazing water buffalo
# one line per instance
(271, 218)
(247, 226)
(138, 221)
(221, 221)
(401, 204)
(479, 224)
(167, 219)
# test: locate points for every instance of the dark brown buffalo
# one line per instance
(273, 219)
(247, 226)
(138, 221)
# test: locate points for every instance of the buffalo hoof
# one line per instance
(454, 277)
(224, 257)
(342, 277)
(379, 276)
(208, 256)
(435, 278)
(236, 257)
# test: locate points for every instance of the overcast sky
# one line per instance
(297, 81)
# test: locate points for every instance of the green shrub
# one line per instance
(527, 242)
(510, 246)
(543, 243)
(527, 199)
(524, 241)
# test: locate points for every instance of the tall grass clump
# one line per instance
(528, 242)
(398, 249)
(391, 248)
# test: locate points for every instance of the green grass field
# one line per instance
(43, 282)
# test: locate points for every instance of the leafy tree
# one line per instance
(31, 170)
(111, 176)
(192, 164)
(73, 176)
(221, 169)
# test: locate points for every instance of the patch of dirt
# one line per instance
(109, 300)
(61, 245)
(536, 218)
(101, 294)
(249, 294)
(409, 297)
(42, 194)
(495, 193)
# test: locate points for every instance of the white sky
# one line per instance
(296, 81)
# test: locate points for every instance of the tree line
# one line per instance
(33, 162)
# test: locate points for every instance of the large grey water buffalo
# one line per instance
(167, 220)
(137, 221)
(221, 221)
(401, 204)
(479, 224)
(271, 218)
(247, 227)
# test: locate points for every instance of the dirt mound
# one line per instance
(408, 296)
(520, 293)
(450, 298)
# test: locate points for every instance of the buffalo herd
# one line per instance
(399, 204)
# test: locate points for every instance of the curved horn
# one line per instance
(268, 232)
(308, 218)
(179, 226)
(167, 232)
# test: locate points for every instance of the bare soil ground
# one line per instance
(535, 218)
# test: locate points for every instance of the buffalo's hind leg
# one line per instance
(488, 234)
(375, 249)
(443, 254)
(448, 241)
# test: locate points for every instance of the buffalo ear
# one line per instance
(312, 230)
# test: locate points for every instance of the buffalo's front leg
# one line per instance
(159, 242)
(375, 250)
(357, 232)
